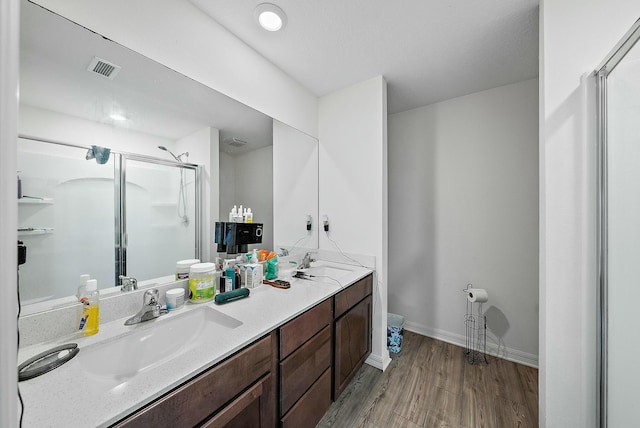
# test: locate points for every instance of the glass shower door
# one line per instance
(160, 218)
(619, 91)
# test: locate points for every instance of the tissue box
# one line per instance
(251, 275)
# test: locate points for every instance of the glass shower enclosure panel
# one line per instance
(161, 209)
(622, 249)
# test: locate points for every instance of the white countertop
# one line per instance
(69, 396)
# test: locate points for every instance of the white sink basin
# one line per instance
(151, 343)
(323, 272)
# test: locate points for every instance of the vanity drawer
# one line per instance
(299, 330)
(303, 367)
(308, 411)
(194, 401)
(351, 296)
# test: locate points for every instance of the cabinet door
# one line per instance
(201, 397)
(353, 344)
(247, 410)
(308, 411)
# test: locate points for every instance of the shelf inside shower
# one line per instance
(22, 231)
(35, 201)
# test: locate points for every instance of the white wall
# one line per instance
(247, 179)
(576, 36)
(204, 149)
(295, 187)
(352, 192)
(227, 185)
(177, 34)
(9, 33)
(254, 189)
(463, 208)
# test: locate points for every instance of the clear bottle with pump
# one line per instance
(248, 218)
(233, 214)
(90, 321)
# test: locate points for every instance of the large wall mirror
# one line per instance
(69, 226)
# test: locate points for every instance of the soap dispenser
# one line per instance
(248, 218)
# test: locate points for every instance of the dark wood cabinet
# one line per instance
(352, 332)
(308, 411)
(288, 378)
(240, 389)
(245, 411)
(305, 364)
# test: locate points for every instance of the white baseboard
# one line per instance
(506, 353)
(379, 362)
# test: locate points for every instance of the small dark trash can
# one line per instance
(395, 331)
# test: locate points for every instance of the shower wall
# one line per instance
(73, 226)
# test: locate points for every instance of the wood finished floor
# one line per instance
(429, 384)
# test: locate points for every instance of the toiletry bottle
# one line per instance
(233, 214)
(231, 278)
(238, 281)
(82, 287)
(254, 257)
(249, 216)
(90, 321)
(239, 218)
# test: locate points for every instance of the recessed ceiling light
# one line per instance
(270, 17)
(118, 117)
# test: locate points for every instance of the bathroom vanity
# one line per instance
(277, 358)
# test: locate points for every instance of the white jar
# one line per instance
(202, 282)
(183, 266)
(174, 298)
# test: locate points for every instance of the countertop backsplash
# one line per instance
(55, 323)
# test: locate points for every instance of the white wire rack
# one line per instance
(476, 332)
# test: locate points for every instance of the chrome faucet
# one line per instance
(128, 283)
(306, 262)
(150, 308)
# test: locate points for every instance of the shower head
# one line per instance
(177, 158)
(100, 154)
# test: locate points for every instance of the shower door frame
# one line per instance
(601, 74)
(122, 240)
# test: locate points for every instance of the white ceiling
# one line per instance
(55, 53)
(428, 50)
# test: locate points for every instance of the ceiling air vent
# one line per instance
(103, 68)
(236, 142)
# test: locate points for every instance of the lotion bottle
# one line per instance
(90, 322)
(249, 216)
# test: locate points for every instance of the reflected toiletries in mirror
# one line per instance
(244, 156)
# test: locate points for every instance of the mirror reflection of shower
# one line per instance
(182, 195)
